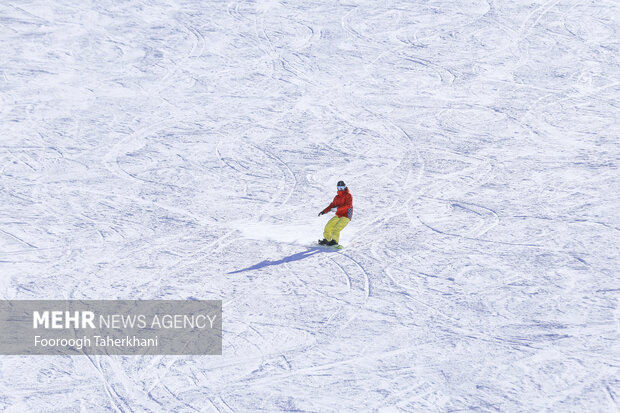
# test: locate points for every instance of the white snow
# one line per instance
(182, 149)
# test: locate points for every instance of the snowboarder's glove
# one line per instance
(321, 213)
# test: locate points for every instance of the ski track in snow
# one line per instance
(177, 150)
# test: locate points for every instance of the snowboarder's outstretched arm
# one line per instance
(326, 210)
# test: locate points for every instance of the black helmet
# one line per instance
(341, 185)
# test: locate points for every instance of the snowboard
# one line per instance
(329, 247)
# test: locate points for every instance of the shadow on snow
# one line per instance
(291, 258)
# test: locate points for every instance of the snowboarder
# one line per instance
(344, 212)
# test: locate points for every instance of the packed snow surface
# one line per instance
(183, 149)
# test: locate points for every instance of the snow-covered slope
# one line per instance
(170, 150)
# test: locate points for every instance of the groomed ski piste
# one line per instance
(182, 150)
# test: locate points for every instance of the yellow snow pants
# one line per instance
(333, 228)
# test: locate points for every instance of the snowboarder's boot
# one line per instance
(332, 243)
(323, 241)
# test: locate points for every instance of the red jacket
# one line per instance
(344, 202)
